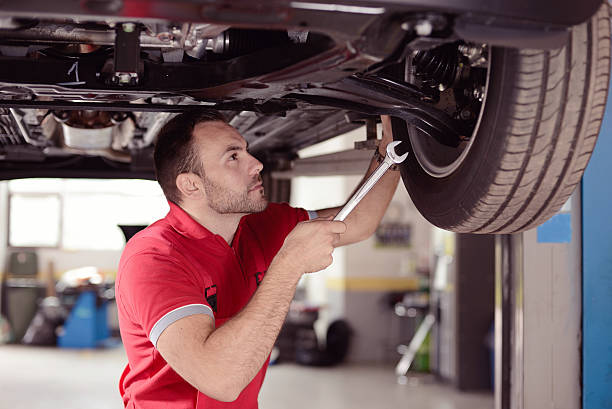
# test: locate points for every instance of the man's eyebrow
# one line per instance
(236, 148)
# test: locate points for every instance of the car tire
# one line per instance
(540, 119)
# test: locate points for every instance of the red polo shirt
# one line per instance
(176, 268)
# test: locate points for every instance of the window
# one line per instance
(34, 220)
(81, 214)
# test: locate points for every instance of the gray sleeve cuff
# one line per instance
(175, 315)
(312, 214)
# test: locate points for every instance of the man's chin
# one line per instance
(261, 206)
(255, 206)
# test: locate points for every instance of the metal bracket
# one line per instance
(351, 162)
(371, 141)
(127, 54)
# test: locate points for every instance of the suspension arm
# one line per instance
(381, 96)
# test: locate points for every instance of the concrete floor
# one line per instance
(32, 378)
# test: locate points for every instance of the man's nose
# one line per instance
(257, 166)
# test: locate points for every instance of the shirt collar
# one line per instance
(184, 224)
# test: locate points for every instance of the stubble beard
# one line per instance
(226, 201)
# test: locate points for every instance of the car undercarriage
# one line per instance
(85, 88)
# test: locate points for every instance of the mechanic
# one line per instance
(202, 293)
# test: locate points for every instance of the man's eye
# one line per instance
(234, 156)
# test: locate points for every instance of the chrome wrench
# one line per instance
(390, 159)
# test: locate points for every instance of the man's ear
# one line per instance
(189, 185)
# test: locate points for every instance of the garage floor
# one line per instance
(34, 378)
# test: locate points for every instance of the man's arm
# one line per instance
(221, 362)
(362, 222)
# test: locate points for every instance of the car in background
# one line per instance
(500, 103)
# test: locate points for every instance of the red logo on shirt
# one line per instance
(211, 296)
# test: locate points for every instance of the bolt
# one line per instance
(128, 27)
(474, 54)
(124, 78)
(466, 50)
(423, 28)
(478, 93)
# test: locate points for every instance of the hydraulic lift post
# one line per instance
(538, 314)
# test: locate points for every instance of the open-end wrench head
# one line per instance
(394, 156)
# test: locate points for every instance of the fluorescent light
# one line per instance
(337, 7)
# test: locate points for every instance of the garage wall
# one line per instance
(369, 258)
(374, 273)
(60, 260)
(357, 286)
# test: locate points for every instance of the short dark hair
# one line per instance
(174, 149)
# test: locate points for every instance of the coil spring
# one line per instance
(437, 66)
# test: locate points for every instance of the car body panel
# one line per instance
(557, 12)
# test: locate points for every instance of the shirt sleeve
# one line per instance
(156, 291)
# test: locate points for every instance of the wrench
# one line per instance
(390, 159)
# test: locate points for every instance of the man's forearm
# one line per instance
(364, 219)
(221, 362)
(366, 216)
(240, 347)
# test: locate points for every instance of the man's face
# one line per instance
(231, 175)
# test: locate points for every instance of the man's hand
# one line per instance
(309, 246)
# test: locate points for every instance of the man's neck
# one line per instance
(224, 225)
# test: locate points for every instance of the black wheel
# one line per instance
(540, 117)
